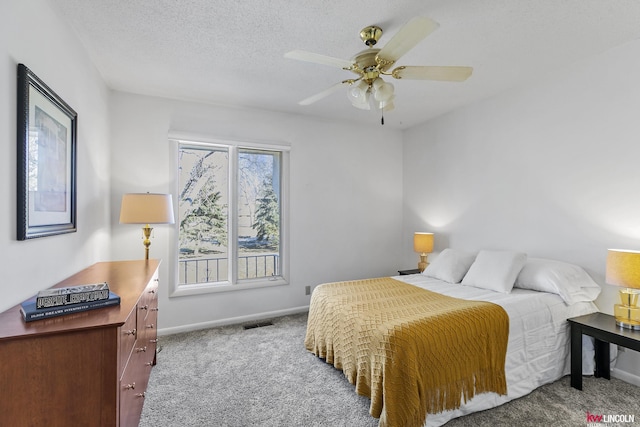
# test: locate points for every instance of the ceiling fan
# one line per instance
(371, 64)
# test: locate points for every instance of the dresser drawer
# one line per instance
(149, 333)
(132, 391)
(134, 382)
(148, 318)
(128, 336)
(148, 299)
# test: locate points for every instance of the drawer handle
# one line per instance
(130, 332)
(149, 326)
(140, 394)
(144, 307)
(152, 291)
(148, 364)
(141, 349)
(131, 386)
(154, 309)
(153, 341)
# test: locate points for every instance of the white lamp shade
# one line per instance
(146, 208)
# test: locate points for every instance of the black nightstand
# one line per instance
(603, 328)
(406, 272)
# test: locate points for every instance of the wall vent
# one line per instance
(257, 325)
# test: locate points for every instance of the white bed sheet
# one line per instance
(538, 350)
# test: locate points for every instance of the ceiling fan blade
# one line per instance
(316, 58)
(407, 38)
(446, 74)
(323, 94)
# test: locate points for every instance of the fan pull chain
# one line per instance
(382, 117)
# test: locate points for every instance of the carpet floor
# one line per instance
(229, 376)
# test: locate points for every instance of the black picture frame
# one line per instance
(46, 160)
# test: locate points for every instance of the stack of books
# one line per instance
(72, 299)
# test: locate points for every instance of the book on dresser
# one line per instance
(55, 297)
(30, 312)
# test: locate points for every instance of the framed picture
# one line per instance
(47, 129)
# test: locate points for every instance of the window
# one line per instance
(231, 215)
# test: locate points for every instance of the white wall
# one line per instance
(32, 34)
(345, 199)
(551, 169)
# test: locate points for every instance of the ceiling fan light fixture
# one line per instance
(353, 94)
(387, 105)
(357, 94)
(359, 97)
(383, 90)
(364, 105)
(363, 86)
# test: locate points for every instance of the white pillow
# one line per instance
(495, 270)
(570, 281)
(450, 265)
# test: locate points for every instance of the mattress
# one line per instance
(538, 350)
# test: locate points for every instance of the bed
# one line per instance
(537, 296)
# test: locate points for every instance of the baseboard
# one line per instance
(232, 321)
(625, 376)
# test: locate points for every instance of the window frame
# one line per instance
(232, 146)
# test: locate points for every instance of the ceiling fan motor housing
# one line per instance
(366, 65)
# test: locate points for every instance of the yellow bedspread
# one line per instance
(411, 351)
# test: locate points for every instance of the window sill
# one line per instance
(209, 288)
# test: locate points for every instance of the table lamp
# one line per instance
(423, 244)
(623, 269)
(146, 208)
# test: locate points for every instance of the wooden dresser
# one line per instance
(83, 369)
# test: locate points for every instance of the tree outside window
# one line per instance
(209, 195)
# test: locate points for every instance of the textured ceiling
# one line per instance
(230, 52)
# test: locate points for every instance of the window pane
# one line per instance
(258, 214)
(204, 201)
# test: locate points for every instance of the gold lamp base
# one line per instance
(146, 232)
(627, 314)
(423, 262)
